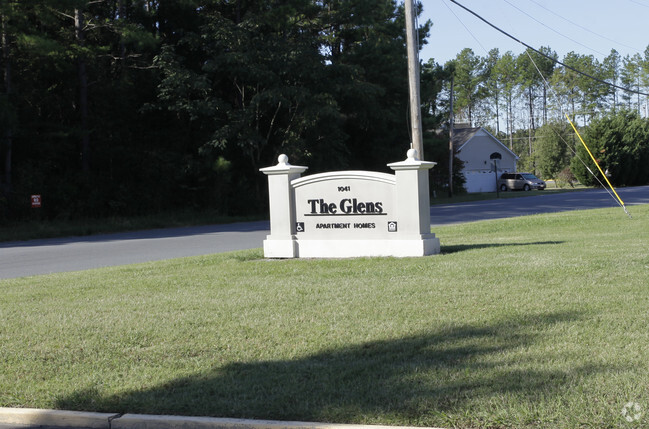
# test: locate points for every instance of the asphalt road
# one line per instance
(26, 258)
(546, 203)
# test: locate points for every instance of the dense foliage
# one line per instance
(133, 106)
(620, 144)
(122, 107)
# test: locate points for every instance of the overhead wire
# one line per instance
(552, 29)
(639, 3)
(584, 28)
(548, 56)
(465, 27)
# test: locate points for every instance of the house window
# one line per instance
(496, 155)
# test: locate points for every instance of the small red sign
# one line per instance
(36, 201)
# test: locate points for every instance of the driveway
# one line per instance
(26, 258)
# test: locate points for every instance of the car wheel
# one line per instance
(526, 187)
(503, 188)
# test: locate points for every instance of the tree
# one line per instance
(529, 81)
(566, 84)
(611, 72)
(584, 92)
(172, 97)
(620, 143)
(551, 152)
(534, 70)
(468, 84)
(644, 64)
(374, 100)
(78, 83)
(7, 110)
(323, 82)
(630, 76)
(492, 84)
(546, 64)
(505, 74)
(433, 80)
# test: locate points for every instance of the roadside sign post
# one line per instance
(496, 172)
(36, 201)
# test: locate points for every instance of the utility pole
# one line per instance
(413, 79)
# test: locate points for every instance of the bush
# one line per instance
(566, 178)
(620, 144)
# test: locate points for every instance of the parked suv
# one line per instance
(524, 181)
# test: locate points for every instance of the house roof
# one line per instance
(461, 136)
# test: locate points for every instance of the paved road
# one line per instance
(18, 259)
(546, 203)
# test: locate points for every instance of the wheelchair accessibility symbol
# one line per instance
(299, 226)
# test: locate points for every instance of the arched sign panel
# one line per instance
(345, 205)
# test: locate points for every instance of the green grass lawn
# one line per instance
(536, 321)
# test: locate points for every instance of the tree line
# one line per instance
(112, 107)
(127, 107)
(523, 99)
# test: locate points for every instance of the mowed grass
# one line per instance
(539, 321)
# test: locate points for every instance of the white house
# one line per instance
(480, 150)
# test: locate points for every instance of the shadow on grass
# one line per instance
(407, 380)
(464, 247)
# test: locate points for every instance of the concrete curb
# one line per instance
(139, 421)
(38, 417)
(79, 419)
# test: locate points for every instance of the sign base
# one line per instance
(367, 248)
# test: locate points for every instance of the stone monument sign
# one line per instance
(350, 213)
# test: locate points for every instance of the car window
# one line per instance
(530, 177)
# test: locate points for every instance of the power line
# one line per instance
(552, 29)
(547, 56)
(585, 28)
(638, 3)
(465, 27)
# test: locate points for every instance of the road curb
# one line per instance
(90, 420)
(40, 417)
(140, 421)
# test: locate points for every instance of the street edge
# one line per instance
(93, 420)
(43, 417)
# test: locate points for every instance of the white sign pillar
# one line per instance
(413, 201)
(281, 241)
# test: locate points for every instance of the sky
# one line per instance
(587, 27)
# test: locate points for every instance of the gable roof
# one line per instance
(461, 136)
